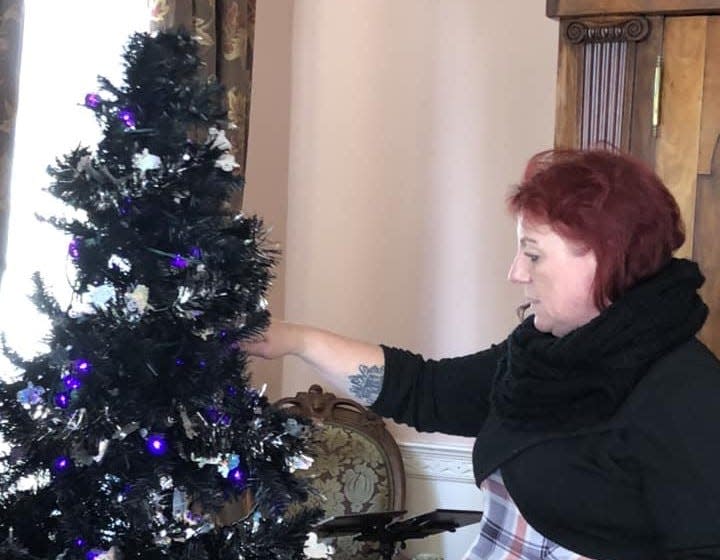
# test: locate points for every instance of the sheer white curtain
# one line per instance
(66, 46)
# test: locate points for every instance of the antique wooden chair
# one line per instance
(357, 465)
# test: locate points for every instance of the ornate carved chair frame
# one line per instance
(326, 409)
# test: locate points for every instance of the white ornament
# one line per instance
(123, 265)
(102, 449)
(100, 296)
(315, 549)
(226, 162)
(184, 294)
(202, 461)
(146, 161)
(218, 140)
(300, 462)
(137, 300)
(30, 396)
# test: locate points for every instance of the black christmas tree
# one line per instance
(137, 434)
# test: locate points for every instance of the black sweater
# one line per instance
(643, 485)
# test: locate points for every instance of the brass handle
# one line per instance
(657, 88)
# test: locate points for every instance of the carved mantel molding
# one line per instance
(630, 30)
(437, 462)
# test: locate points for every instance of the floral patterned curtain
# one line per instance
(11, 27)
(225, 30)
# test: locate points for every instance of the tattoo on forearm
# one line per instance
(366, 384)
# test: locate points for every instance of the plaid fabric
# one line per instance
(504, 533)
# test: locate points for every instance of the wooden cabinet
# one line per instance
(644, 76)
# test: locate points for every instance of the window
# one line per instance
(66, 45)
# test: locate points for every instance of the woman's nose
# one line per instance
(518, 272)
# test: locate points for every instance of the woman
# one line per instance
(595, 419)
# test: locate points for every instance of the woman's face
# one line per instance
(557, 276)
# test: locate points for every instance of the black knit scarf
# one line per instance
(580, 379)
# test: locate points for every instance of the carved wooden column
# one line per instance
(598, 74)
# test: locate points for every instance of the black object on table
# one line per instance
(387, 531)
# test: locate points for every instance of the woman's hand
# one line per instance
(280, 339)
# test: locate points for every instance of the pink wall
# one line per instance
(384, 137)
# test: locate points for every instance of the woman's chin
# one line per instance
(538, 322)
(542, 324)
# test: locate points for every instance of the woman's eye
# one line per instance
(532, 257)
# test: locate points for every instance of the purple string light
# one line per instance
(71, 383)
(74, 249)
(125, 206)
(127, 117)
(212, 414)
(92, 100)
(178, 262)
(61, 464)
(156, 444)
(237, 476)
(62, 400)
(81, 366)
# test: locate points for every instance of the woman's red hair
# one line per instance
(609, 203)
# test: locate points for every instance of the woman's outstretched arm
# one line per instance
(351, 367)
